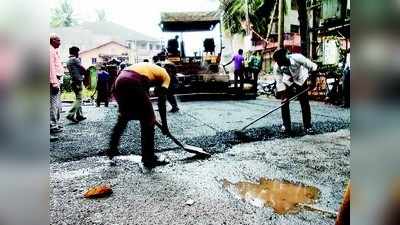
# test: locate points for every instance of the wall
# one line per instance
(232, 44)
(141, 50)
(110, 49)
(291, 17)
(146, 50)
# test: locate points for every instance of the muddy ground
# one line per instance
(160, 197)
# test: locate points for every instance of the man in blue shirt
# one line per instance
(238, 72)
(102, 87)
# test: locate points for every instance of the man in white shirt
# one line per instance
(292, 72)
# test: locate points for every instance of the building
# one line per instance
(327, 18)
(107, 51)
(254, 43)
(329, 24)
(106, 38)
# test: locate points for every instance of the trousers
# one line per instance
(239, 74)
(134, 104)
(304, 103)
(54, 109)
(76, 109)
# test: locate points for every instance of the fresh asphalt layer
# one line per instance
(162, 196)
(206, 124)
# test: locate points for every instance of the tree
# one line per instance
(259, 15)
(63, 15)
(101, 15)
(234, 13)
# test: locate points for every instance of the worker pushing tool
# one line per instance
(131, 93)
(292, 72)
(238, 60)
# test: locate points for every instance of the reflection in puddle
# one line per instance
(282, 196)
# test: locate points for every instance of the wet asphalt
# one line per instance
(161, 197)
(207, 124)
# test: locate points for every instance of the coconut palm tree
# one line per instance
(63, 15)
(234, 13)
(259, 15)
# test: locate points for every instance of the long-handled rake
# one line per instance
(240, 133)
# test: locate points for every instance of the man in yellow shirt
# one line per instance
(131, 93)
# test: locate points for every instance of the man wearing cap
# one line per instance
(131, 93)
(292, 72)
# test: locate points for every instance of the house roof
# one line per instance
(102, 45)
(90, 35)
(189, 21)
(115, 30)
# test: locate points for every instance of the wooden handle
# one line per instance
(274, 109)
(311, 207)
(170, 135)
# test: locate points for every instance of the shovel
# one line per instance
(240, 133)
(188, 148)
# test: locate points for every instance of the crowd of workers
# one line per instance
(131, 91)
(246, 68)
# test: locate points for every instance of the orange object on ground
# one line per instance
(98, 191)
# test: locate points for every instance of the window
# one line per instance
(150, 46)
(294, 28)
(293, 5)
(94, 60)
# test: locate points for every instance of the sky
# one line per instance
(144, 16)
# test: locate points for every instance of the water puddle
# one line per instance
(283, 196)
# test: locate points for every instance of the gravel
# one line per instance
(162, 196)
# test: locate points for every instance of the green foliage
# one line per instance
(62, 16)
(70, 96)
(66, 85)
(234, 12)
